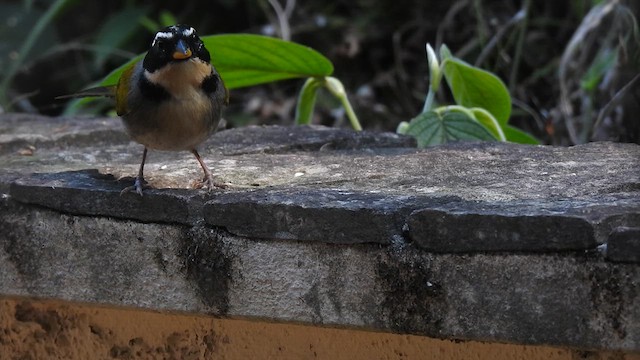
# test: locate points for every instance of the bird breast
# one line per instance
(179, 78)
(182, 121)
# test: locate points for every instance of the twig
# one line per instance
(448, 19)
(486, 50)
(482, 27)
(615, 100)
(283, 17)
(520, 44)
(400, 87)
(529, 110)
(591, 21)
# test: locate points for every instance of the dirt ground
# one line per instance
(31, 329)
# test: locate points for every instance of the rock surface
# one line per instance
(490, 241)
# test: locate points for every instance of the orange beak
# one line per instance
(181, 51)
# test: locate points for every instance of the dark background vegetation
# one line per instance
(571, 66)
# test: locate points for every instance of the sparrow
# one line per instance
(172, 99)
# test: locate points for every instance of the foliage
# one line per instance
(597, 71)
(248, 60)
(482, 111)
(307, 99)
(570, 66)
(26, 47)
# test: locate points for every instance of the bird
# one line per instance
(172, 99)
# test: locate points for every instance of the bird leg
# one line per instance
(140, 183)
(207, 181)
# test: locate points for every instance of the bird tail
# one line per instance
(100, 91)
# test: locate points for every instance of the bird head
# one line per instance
(172, 44)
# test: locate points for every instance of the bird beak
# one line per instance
(181, 51)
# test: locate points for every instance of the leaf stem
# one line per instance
(428, 103)
(353, 119)
(526, 7)
(307, 101)
(336, 88)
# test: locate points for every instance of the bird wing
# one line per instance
(100, 91)
(122, 90)
(119, 91)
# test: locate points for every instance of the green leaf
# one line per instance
(116, 30)
(112, 78)
(435, 73)
(247, 60)
(435, 77)
(485, 118)
(445, 53)
(439, 127)
(13, 37)
(307, 101)
(149, 24)
(474, 87)
(604, 61)
(167, 18)
(402, 128)
(516, 135)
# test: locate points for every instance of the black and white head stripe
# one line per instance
(162, 35)
(186, 31)
(173, 31)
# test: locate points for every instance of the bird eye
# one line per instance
(162, 45)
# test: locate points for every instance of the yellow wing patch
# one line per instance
(122, 90)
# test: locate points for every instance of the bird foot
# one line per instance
(208, 183)
(139, 185)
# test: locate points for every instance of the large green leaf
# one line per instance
(112, 78)
(115, 31)
(247, 60)
(518, 136)
(439, 127)
(474, 87)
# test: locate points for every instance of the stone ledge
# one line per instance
(624, 244)
(491, 241)
(326, 215)
(88, 192)
(436, 223)
(467, 231)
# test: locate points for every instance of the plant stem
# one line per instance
(428, 103)
(482, 27)
(307, 101)
(336, 88)
(526, 7)
(353, 119)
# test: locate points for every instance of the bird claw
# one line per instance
(139, 185)
(210, 184)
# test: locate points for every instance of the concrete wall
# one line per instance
(479, 244)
